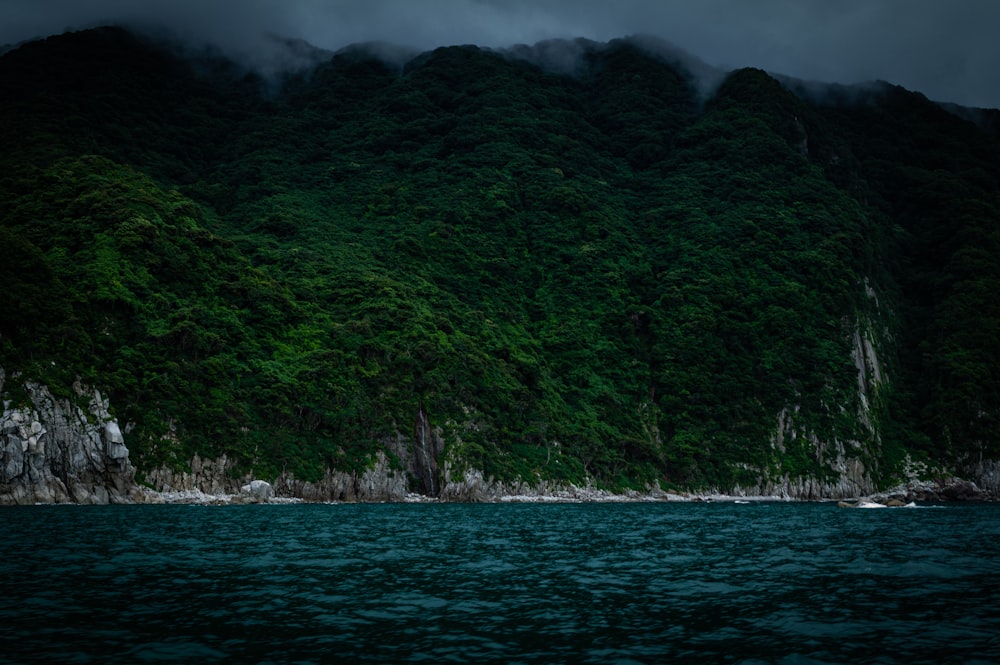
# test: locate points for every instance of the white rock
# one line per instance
(260, 490)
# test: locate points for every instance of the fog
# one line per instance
(946, 50)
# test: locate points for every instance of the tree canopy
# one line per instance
(600, 276)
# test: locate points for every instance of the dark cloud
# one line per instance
(947, 50)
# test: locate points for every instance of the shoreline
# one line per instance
(565, 496)
(571, 496)
(952, 490)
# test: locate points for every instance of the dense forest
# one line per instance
(614, 274)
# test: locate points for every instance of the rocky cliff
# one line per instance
(71, 450)
(219, 477)
(61, 450)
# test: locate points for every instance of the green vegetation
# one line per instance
(575, 278)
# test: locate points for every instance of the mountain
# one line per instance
(620, 269)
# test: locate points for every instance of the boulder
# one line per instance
(259, 491)
(962, 490)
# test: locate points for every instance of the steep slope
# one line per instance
(475, 265)
(936, 177)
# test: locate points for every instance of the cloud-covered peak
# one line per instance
(947, 50)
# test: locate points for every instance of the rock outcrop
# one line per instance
(67, 450)
(71, 450)
(943, 489)
(986, 474)
(205, 476)
(379, 482)
(472, 486)
(852, 480)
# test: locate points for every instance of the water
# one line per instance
(529, 583)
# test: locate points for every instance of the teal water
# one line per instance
(525, 583)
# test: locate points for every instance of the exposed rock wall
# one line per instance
(61, 450)
(852, 482)
(380, 482)
(986, 474)
(58, 450)
(849, 462)
(472, 486)
(214, 477)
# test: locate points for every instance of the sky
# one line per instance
(946, 49)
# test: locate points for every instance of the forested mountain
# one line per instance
(471, 261)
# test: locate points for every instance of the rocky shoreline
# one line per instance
(261, 492)
(922, 492)
(72, 450)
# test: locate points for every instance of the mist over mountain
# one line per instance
(947, 51)
(569, 262)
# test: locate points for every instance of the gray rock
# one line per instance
(56, 451)
(962, 490)
(259, 490)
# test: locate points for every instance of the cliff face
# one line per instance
(220, 477)
(71, 450)
(62, 450)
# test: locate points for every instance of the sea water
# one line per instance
(500, 583)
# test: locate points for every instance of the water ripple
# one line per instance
(643, 583)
